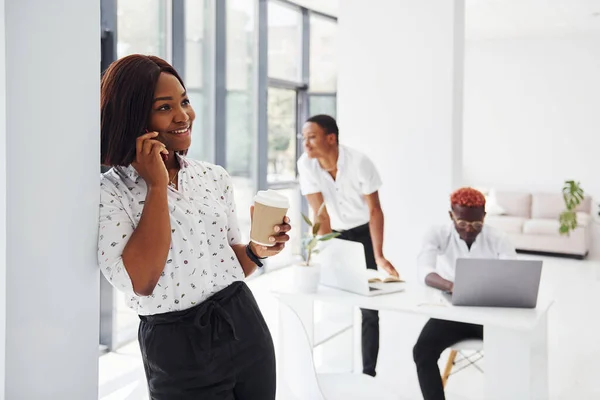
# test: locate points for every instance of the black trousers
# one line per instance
(220, 349)
(370, 318)
(436, 336)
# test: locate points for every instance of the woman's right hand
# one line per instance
(148, 160)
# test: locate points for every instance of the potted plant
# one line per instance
(307, 274)
(573, 195)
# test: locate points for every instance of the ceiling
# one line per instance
(491, 19)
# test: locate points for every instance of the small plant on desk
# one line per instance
(311, 241)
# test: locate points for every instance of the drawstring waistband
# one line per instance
(208, 315)
(211, 314)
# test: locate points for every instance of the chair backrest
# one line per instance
(296, 359)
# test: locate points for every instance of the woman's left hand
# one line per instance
(279, 238)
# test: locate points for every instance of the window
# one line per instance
(323, 55)
(285, 42)
(322, 104)
(199, 77)
(187, 33)
(142, 27)
(282, 122)
(241, 107)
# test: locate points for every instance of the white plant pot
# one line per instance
(306, 278)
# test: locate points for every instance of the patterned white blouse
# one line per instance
(203, 225)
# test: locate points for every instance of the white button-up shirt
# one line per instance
(345, 196)
(203, 225)
(443, 246)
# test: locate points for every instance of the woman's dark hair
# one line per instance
(327, 123)
(126, 94)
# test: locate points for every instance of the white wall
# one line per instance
(532, 113)
(399, 101)
(2, 200)
(52, 68)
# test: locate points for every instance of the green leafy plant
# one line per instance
(311, 241)
(573, 195)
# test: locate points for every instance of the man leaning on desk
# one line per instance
(465, 236)
(348, 183)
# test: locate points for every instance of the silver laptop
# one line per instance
(496, 283)
(343, 266)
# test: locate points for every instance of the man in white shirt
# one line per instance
(348, 183)
(465, 236)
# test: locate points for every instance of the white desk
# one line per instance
(515, 345)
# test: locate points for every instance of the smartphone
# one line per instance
(165, 157)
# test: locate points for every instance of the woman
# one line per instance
(169, 239)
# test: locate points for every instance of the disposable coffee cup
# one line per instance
(270, 208)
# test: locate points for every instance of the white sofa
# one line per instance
(531, 221)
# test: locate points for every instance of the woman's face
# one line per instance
(172, 115)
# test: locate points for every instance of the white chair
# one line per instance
(299, 377)
(472, 345)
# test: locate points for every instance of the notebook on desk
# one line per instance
(496, 283)
(343, 266)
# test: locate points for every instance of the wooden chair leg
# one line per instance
(449, 365)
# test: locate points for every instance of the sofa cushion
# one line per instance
(550, 226)
(541, 226)
(492, 207)
(506, 223)
(550, 205)
(515, 204)
(583, 219)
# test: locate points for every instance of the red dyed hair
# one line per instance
(467, 197)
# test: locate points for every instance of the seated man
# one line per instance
(464, 237)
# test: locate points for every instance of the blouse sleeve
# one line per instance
(115, 229)
(234, 235)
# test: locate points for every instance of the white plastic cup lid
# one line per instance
(272, 198)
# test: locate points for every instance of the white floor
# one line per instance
(574, 363)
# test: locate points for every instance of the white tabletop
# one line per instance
(422, 300)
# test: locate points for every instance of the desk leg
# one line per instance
(516, 363)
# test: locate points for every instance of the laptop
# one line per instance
(496, 283)
(343, 266)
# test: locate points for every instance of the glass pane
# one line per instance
(196, 45)
(323, 54)
(241, 124)
(281, 113)
(199, 77)
(319, 104)
(285, 42)
(141, 27)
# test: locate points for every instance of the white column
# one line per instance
(2, 199)
(50, 145)
(400, 102)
